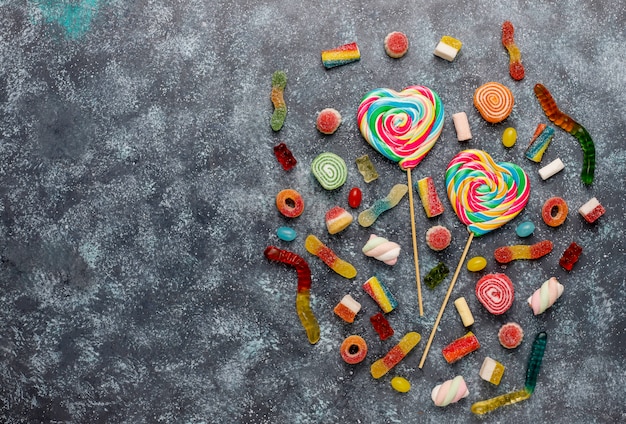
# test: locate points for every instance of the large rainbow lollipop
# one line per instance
(485, 195)
(403, 126)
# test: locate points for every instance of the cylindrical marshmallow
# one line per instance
(550, 169)
(464, 311)
(461, 124)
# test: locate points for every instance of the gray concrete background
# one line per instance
(137, 185)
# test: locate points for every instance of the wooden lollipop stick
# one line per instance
(413, 232)
(445, 300)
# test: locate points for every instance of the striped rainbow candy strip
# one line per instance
(484, 194)
(402, 126)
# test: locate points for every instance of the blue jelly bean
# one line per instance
(525, 229)
(286, 233)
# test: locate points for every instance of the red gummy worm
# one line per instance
(516, 69)
(274, 253)
(506, 254)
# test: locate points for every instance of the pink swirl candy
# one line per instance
(484, 194)
(402, 126)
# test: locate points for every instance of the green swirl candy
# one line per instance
(330, 170)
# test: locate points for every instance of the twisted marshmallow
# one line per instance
(382, 249)
(545, 296)
(450, 391)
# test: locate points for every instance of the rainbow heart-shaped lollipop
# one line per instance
(402, 126)
(484, 194)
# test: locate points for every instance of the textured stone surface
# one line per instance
(137, 184)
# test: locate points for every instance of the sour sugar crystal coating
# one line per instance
(570, 256)
(369, 216)
(436, 275)
(430, 199)
(290, 203)
(592, 210)
(495, 292)
(341, 55)
(438, 237)
(462, 127)
(328, 120)
(554, 211)
(400, 384)
(395, 355)
(464, 311)
(525, 229)
(545, 296)
(539, 143)
(450, 391)
(382, 249)
(337, 219)
(494, 102)
(381, 326)
(506, 254)
(286, 233)
(511, 335)
(330, 170)
(279, 82)
(347, 309)
(284, 156)
(314, 246)
(396, 44)
(355, 197)
(551, 169)
(381, 294)
(460, 348)
(353, 349)
(448, 48)
(491, 371)
(477, 263)
(509, 137)
(366, 168)
(516, 69)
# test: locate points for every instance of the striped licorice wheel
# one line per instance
(495, 292)
(330, 170)
(494, 101)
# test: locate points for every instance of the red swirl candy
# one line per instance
(495, 292)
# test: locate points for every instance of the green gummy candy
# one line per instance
(436, 275)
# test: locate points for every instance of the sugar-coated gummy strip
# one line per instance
(303, 294)
(341, 55)
(570, 256)
(450, 391)
(568, 124)
(551, 169)
(494, 101)
(381, 294)
(369, 216)
(402, 126)
(534, 362)
(532, 372)
(430, 199)
(462, 127)
(516, 69)
(545, 296)
(484, 194)
(395, 355)
(460, 348)
(315, 247)
(592, 210)
(330, 170)
(366, 168)
(464, 311)
(279, 82)
(539, 143)
(506, 254)
(495, 292)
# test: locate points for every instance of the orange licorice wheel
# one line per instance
(353, 349)
(494, 101)
(290, 203)
(554, 211)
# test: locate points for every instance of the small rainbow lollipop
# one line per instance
(485, 195)
(403, 126)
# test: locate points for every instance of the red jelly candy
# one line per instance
(284, 156)
(570, 256)
(460, 348)
(381, 325)
(354, 197)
